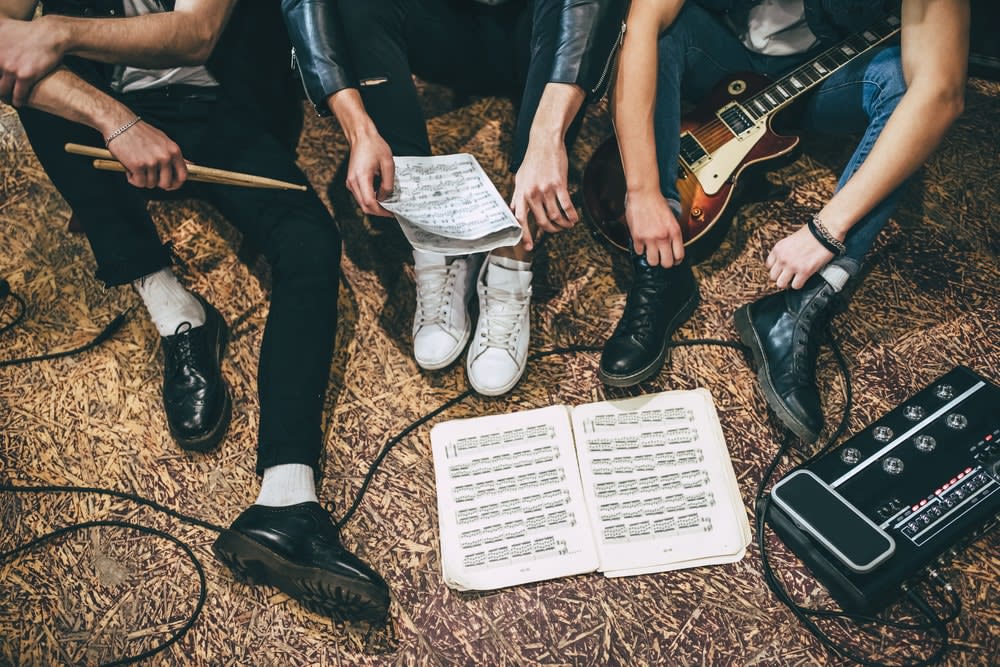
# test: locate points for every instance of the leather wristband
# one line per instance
(825, 238)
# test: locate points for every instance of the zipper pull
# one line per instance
(294, 64)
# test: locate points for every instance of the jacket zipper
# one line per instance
(295, 66)
(600, 88)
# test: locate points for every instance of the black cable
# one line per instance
(112, 327)
(20, 313)
(805, 614)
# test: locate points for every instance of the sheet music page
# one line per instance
(510, 506)
(447, 204)
(659, 483)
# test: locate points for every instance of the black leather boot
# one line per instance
(297, 549)
(195, 395)
(783, 332)
(659, 301)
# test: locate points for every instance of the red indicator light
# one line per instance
(923, 502)
(953, 480)
(988, 437)
(915, 508)
(968, 470)
(938, 492)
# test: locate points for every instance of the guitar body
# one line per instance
(713, 159)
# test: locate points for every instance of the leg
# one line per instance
(695, 53)
(783, 329)
(286, 539)
(128, 249)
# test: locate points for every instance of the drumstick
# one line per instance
(107, 162)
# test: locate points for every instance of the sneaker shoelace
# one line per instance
(435, 285)
(502, 318)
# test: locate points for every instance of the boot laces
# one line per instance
(435, 285)
(810, 329)
(641, 305)
(502, 318)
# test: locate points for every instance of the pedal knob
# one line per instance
(882, 433)
(892, 465)
(914, 412)
(696, 212)
(925, 443)
(944, 391)
(850, 455)
(957, 421)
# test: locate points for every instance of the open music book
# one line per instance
(623, 487)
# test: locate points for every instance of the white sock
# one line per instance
(510, 274)
(287, 484)
(168, 303)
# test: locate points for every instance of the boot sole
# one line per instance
(320, 591)
(654, 367)
(209, 441)
(748, 336)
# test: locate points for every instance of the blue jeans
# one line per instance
(698, 51)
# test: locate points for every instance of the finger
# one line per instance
(387, 171)
(784, 278)
(521, 215)
(566, 204)
(22, 90)
(652, 255)
(800, 280)
(774, 272)
(7, 81)
(677, 246)
(541, 217)
(553, 212)
(769, 262)
(165, 176)
(180, 169)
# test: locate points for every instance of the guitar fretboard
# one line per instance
(780, 93)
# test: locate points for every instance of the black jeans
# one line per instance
(506, 50)
(293, 230)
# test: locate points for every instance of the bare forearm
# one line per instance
(185, 36)
(347, 107)
(64, 94)
(557, 108)
(634, 96)
(935, 44)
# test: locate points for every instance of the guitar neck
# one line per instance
(786, 89)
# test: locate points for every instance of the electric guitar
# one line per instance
(728, 133)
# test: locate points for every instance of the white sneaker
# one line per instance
(499, 349)
(441, 324)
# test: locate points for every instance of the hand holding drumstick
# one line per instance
(106, 161)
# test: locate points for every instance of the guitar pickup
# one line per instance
(735, 118)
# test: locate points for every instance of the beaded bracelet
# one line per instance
(826, 239)
(121, 130)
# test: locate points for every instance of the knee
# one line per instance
(885, 76)
(307, 251)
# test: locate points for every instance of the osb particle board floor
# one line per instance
(931, 300)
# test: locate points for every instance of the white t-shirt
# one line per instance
(778, 28)
(130, 79)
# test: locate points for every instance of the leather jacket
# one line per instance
(590, 33)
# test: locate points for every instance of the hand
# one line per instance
(151, 159)
(371, 160)
(796, 258)
(28, 52)
(541, 189)
(654, 229)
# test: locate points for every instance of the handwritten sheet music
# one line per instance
(659, 484)
(510, 506)
(447, 204)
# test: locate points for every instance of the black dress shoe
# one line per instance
(297, 548)
(195, 395)
(659, 301)
(783, 332)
